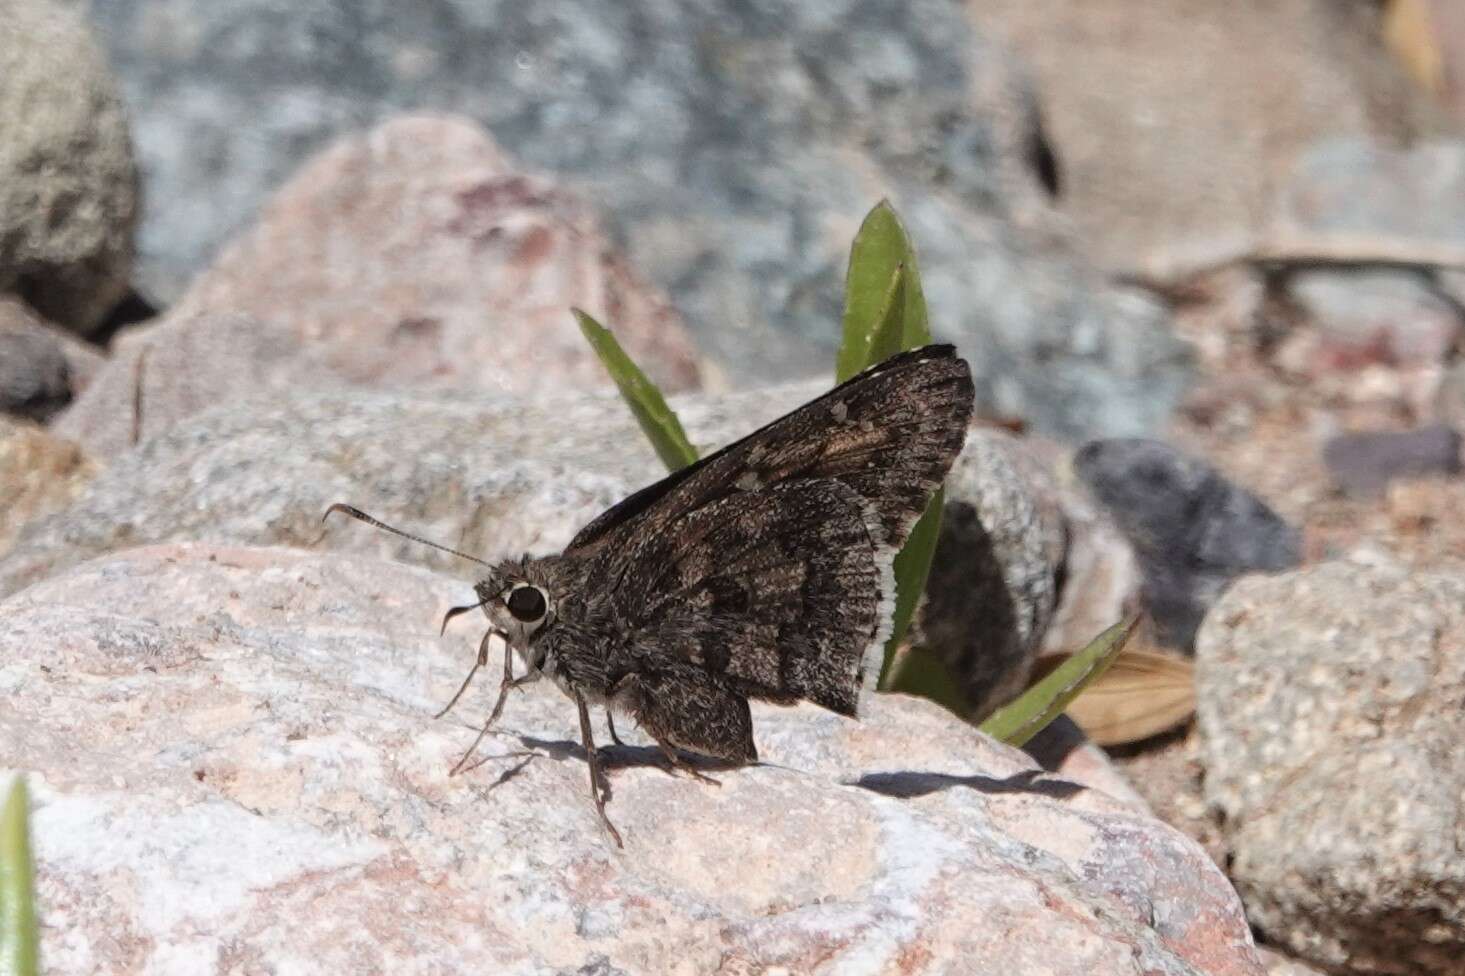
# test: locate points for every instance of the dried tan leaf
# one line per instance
(1142, 694)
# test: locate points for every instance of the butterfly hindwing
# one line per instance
(779, 592)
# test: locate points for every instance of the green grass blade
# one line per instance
(919, 672)
(889, 332)
(18, 937)
(884, 313)
(657, 420)
(880, 247)
(1024, 718)
(912, 565)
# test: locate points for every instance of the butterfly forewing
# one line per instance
(916, 404)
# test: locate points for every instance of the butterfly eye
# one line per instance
(527, 604)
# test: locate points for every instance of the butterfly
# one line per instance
(763, 571)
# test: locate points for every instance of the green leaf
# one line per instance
(919, 672)
(885, 313)
(912, 565)
(1024, 718)
(657, 420)
(889, 331)
(880, 248)
(18, 939)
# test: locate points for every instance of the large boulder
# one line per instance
(1173, 123)
(235, 766)
(69, 195)
(1330, 719)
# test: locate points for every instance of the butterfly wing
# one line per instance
(778, 592)
(768, 563)
(889, 433)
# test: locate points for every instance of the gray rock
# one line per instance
(1363, 464)
(734, 148)
(993, 581)
(1356, 200)
(81, 360)
(480, 473)
(1193, 531)
(68, 185)
(1172, 121)
(1329, 709)
(35, 378)
(233, 758)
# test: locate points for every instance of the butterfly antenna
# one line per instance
(361, 516)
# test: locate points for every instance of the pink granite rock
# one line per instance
(235, 768)
(417, 255)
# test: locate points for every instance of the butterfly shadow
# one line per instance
(908, 784)
(612, 757)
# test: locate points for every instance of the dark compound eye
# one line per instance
(526, 603)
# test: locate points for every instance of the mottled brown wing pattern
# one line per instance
(769, 562)
(778, 591)
(889, 433)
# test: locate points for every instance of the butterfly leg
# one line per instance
(610, 724)
(478, 662)
(597, 775)
(509, 682)
(675, 762)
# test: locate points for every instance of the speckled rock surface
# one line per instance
(162, 373)
(993, 581)
(476, 473)
(68, 186)
(234, 767)
(1329, 703)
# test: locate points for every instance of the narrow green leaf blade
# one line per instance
(919, 672)
(917, 326)
(657, 420)
(912, 566)
(1024, 718)
(18, 935)
(880, 246)
(890, 326)
(885, 313)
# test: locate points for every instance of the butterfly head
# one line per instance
(520, 608)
